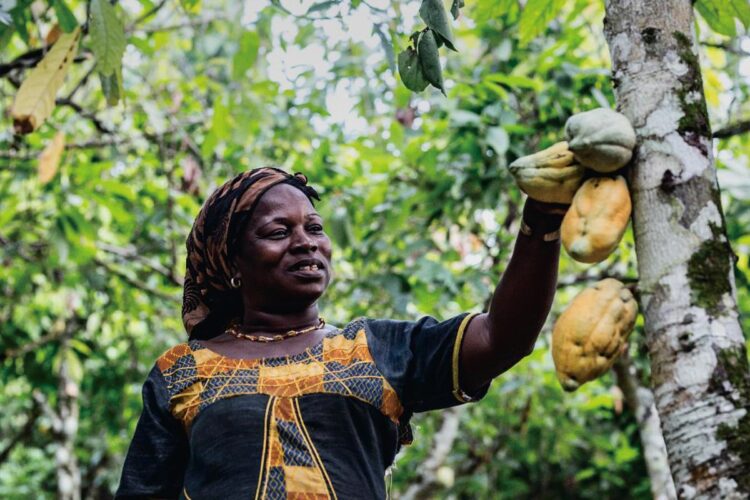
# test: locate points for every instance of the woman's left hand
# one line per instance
(547, 208)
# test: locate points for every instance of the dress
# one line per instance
(324, 423)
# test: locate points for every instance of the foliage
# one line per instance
(416, 195)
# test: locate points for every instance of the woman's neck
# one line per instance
(260, 322)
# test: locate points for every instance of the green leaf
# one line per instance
(721, 14)
(21, 18)
(429, 59)
(107, 36)
(536, 16)
(112, 87)
(74, 366)
(455, 8)
(434, 15)
(411, 71)
(497, 138)
(246, 54)
(322, 6)
(517, 81)
(65, 17)
(713, 13)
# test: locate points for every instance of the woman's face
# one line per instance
(284, 259)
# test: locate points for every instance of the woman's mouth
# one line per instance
(313, 267)
(308, 268)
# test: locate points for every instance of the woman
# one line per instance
(266, 400)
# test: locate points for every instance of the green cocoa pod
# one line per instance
(601, 139)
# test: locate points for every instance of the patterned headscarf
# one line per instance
(209, 302)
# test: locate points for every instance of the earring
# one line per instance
(235, 282)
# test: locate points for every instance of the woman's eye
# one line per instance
(279, 233)
(316, 228)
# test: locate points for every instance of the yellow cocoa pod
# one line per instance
(596, 220)
(589, 334)
(549, 175)
(601, 139)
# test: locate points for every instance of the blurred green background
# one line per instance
(416, 198)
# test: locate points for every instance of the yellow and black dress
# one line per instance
(324, 423)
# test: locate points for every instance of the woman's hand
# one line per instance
(548, 208)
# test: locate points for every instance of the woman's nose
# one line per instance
(304, 241)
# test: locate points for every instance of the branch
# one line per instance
(156, 8)
(134, 282)
(132, 253)
(24, 433)
(732, 130)
(47, 410)
(729, 48)
(442, 443)
(387, 46)
(640, 400)
(174, 27)
(85, 114)
(26, 60)
(30, 59)
(26, 348)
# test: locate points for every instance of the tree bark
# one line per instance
(640, 400)
(68, 473)
(699, 366)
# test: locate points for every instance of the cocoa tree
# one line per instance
(699, 365)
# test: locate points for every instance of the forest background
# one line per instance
(416, 197)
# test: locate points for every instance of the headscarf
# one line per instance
(209, 302)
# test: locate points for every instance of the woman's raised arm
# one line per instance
(497, 340)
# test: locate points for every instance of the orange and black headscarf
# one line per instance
(209, 302)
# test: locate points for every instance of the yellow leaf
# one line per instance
(713, 87)
(50, 158)
(35, 99)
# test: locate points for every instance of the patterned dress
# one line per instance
(322, 424)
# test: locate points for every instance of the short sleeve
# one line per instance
(420, 359)
(156, 460)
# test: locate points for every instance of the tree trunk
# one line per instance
(68, 474)
(699, 366)
(641, 402)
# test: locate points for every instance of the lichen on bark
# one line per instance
(708, 272)
(695, 113)
(733, 366)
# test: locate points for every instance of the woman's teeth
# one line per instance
(313, 267)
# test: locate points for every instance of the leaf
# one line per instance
(107, 35)
(429, 59)
(536, 16)
(65, 17)
(434, 15)
(52, 35)
(517, 81)
(73, 366)
(464, 118)
(497, 138)
(720, 14)
(715, 15)
(411, 71)
(49, 159)
(35, 99)
(246, 54)
(112, 86)
(455, 8)
(5, 17)
(321, 6)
